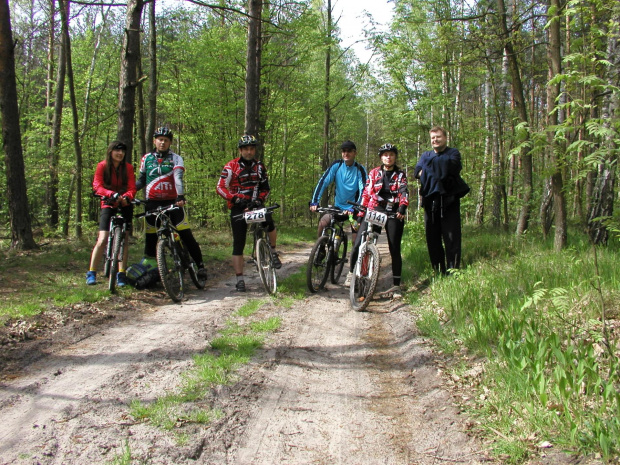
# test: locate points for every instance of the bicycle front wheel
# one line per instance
(365, 277)
(170, 268)
(114, 258)
(265, 266)
(339, 258)
(319, 264)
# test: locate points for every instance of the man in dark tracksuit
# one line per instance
(441, 188)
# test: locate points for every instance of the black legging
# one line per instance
(394, 230)
(240, 229)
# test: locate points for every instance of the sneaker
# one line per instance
(91, 278)
(347, 281)
(121, 279)
(240, 286)
(277, 264)
(202, 274)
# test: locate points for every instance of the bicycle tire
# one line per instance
(365, 277)
(339, 258)
(114, 259)
(318, 267)
(265, 266)
(193, 273)
(108, 253)
(170, 268)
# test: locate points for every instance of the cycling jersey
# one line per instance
(162, 176)
(244, 179)
(395, 184)
(350, 181)
(116, 185)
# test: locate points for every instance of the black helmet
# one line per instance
(117, 145)
(388, 148)
(347, 144)
(163, 132)
(247, 140)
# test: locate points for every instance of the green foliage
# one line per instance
(536, 316)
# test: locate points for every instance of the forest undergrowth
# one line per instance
(532, 335)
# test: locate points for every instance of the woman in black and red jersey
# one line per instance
(245, 185)
(114, 178)
(386, 191)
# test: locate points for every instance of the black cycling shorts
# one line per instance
(108, 212)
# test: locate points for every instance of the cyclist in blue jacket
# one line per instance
(349, 178)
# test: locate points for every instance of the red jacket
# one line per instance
(398, 190)
(100, 188)
(243, 179)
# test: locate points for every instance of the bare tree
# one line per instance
(253, 68)
(19, 217)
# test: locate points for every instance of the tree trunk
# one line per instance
(604, 188)
(128, 75)
(53, 117)
(519, 99)
(487, 151)
(327, 93)
(153, 83)
(64, 14)
(19, 217)
(553, 92)
(253, 69)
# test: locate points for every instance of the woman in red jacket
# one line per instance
(115, 179)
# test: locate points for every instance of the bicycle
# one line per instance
(329, 253)
(261, 251)
(173, 258)
(116, 243)
(366, 270)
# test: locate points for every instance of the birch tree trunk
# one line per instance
(55, 114)
(19, 217)
(327, 92)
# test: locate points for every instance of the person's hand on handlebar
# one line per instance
(180, 201)
(313, 207)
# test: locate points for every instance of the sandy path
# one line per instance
(332, 386)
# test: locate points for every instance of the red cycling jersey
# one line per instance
(116, 185)
(243, 179)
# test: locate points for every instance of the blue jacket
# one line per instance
(349, 180)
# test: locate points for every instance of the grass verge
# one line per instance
(538, 331)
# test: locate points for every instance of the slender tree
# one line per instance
(21, 229)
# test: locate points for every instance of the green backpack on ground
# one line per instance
(143, 274)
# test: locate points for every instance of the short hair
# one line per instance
(438, 129)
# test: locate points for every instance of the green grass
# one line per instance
(543, 322)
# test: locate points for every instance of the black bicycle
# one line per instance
(116, 242)
(329, 253)
(261, 251)
(173, 258)
(366, 270)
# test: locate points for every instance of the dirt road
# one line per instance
(332, 386)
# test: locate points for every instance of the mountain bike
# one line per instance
(261, 251)
(173, 258)
(366, 270)
(329, 253)
(116, 243)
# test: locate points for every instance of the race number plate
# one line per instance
(255, 216)
(376, 218)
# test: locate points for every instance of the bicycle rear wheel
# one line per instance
(339, 258)
(365, 276)
(265, 266)
(170, 268)
(114, 258)
(319, 264)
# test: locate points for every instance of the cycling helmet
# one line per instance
(163, 132)
(388, 148)
(347, 144)
(247, 140)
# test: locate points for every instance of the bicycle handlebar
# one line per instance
(107, 199)
(361, 207)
